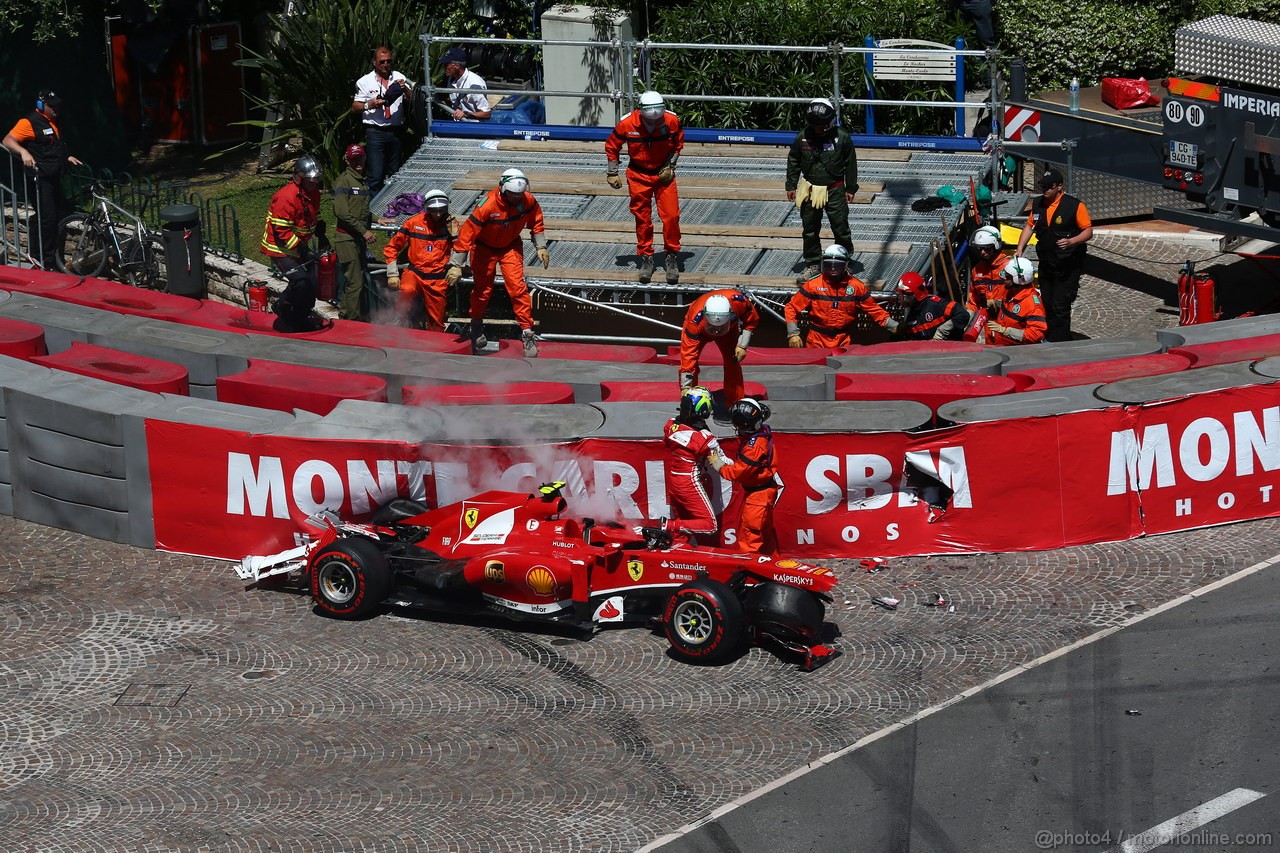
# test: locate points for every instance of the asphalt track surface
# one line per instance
(152, 703)
(1093, 749)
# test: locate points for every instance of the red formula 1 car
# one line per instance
(513, 554)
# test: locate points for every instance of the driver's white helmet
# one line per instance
(718, 313)
(1020, 271)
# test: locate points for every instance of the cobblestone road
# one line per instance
(151, 703)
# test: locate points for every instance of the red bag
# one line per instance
(1125, 93)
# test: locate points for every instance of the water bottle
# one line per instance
(1073, 95)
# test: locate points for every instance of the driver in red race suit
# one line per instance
(754, 472)
(727, 317)
(689, 444)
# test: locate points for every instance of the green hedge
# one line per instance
(1058, 40)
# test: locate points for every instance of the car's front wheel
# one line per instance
(704, 622)
(349, 579)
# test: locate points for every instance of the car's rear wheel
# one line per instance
(349, 579)
(704, 622)
(787, 612)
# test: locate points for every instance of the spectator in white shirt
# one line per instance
(382, 97)
(467, 106)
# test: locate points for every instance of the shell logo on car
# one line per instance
(787, 564)
(540, 580)
(494, 572)
(635, 568)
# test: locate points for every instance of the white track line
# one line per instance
(947, 703)
(1167, 832)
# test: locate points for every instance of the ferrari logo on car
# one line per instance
(494, 572)
(471, 517)
(635, 568)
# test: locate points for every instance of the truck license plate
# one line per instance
(1183, 153)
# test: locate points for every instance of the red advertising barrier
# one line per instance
(1095, 476)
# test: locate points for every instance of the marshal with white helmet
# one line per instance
(653, 137)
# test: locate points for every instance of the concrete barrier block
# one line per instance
(106, 491)
(989, 360)
(781, 381)
(361, 419)
(205, 353)
(851, 416)
(62, 321)
(1223, 330)
(1028, 404)
(52, 511)
(1170, 386)
(532, 424)
(316, 354)
(1268, 367)
(211, 413)
(72, 464)
(585, 376)
(25, 376)
(639, 421)
(411, 367)
(536, 424)
(80, 407)
(1036, 356)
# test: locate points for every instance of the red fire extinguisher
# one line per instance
(257, 297)
(326, 275)
(1197, 302)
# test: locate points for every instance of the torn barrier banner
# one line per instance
(1029, 484)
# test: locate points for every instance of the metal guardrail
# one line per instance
(219, 222)
(636, 56)
(20, 209)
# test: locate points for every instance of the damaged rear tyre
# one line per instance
(704, 622)
(349, 579)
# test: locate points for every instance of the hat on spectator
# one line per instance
(1051, 177)
(454, 54)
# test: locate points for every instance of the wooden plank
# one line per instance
(627, 228)
(694, 149)
(692, 279)
(602, 189)
(686, 181)
(789, 239)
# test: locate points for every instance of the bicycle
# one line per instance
(88, 241)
